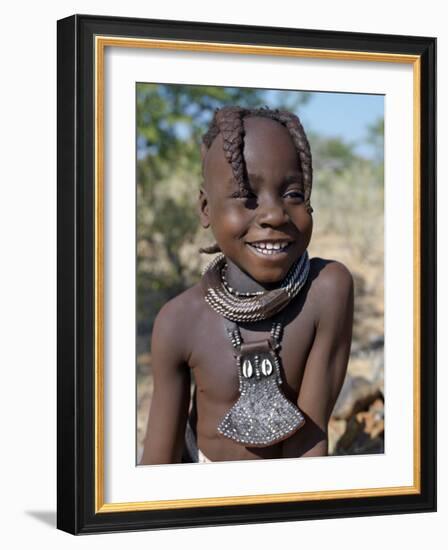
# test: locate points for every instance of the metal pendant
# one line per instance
(262, 416)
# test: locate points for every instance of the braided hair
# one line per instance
(229, 122)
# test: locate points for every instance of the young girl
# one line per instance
(267, 331)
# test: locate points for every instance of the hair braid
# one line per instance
(297, 133)
(229, 122)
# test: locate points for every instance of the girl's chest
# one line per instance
(218, 363)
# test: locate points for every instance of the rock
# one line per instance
(356, 395)
(373, 419)
(364, 433)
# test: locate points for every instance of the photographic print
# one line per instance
(246, 274)
(344, 230)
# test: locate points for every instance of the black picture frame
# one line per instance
(77, 494)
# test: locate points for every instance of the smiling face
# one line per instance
(264, 232)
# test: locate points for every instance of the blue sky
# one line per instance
(340, 115)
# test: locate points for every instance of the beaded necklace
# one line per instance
(255, 307)
(235, 292)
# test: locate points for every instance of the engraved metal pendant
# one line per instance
(262, 416)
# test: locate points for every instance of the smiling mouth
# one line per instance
(270, 248)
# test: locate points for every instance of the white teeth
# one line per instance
(268, 248)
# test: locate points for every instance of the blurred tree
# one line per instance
(330, 154)
(375, 138)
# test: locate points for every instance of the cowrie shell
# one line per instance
(266, 367)
(248, 370)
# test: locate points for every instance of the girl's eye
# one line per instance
(247, 200)
(295, 195)
(239, 195)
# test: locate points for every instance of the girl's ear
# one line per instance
(203, 208)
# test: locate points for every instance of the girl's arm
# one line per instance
(171, 395)
(327, 362)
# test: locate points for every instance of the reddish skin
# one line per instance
(318, 323)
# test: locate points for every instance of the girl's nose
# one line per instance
(271, 212)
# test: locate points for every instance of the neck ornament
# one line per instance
(251, 307)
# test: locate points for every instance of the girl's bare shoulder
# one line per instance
(327, 274)
(179, 312)
(331, 283)
(176, 322)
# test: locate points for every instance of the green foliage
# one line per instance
(330, 154)
(375, 138)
